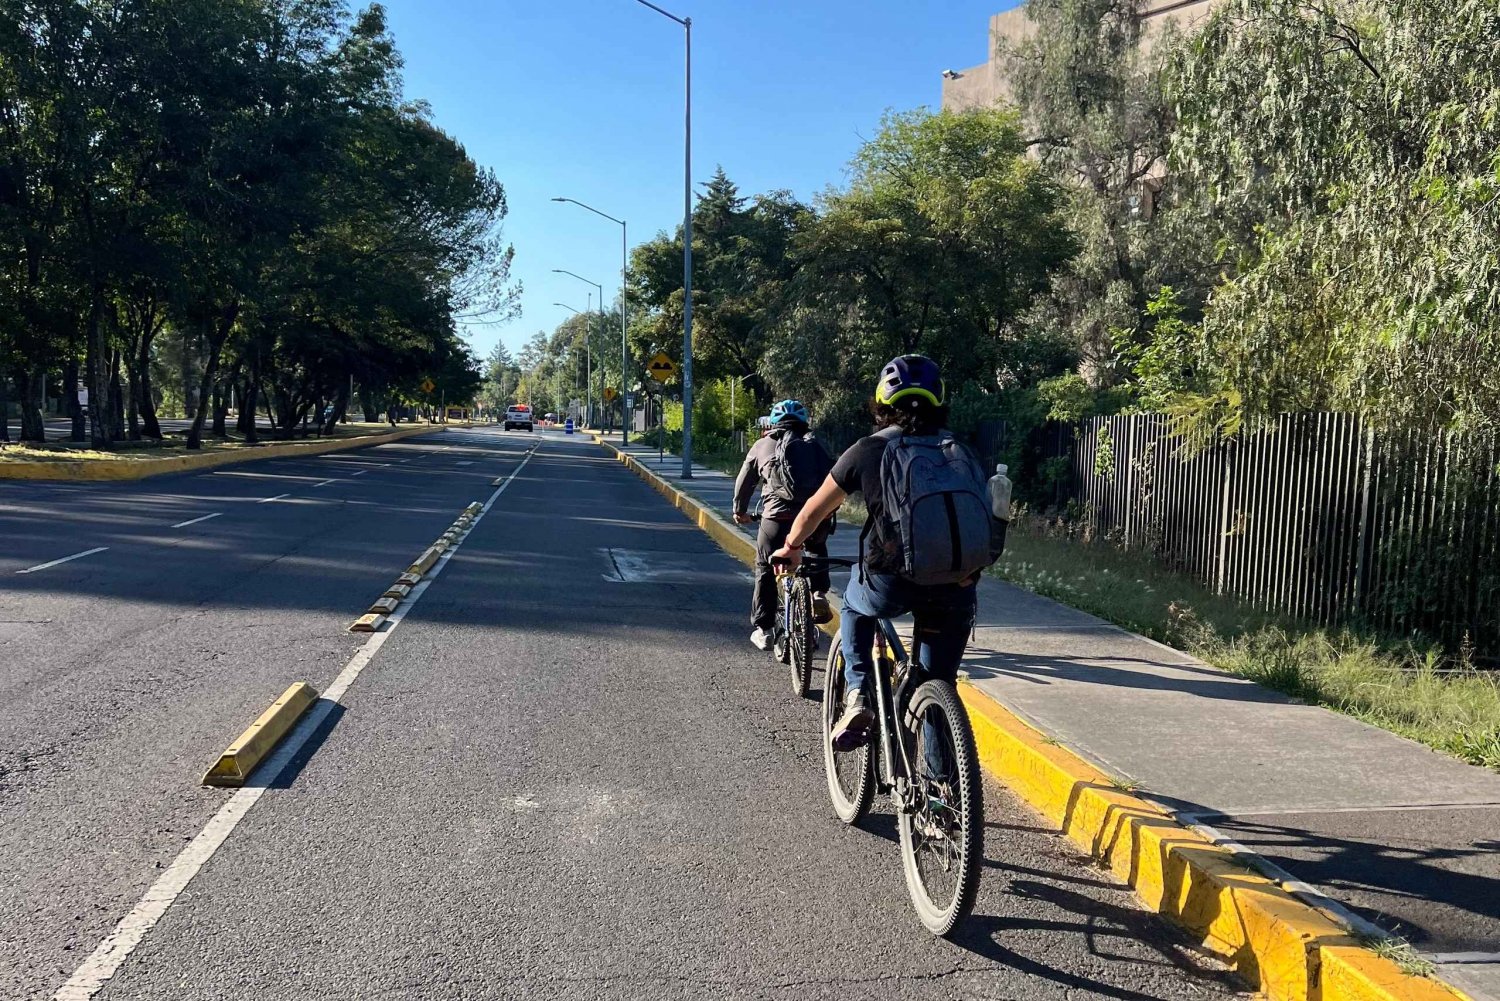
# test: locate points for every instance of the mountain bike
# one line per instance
(794, 637)
(920, 751)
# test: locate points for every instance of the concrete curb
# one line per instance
(79, 470)
(251, 747)
(1282, 947)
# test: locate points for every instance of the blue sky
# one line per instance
(583, 98)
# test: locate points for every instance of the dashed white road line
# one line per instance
(267, 500)
(323, 484)
(185, 524)
(106, 959)
(65, 559)
(360, 473)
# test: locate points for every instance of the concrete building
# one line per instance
(986, 84)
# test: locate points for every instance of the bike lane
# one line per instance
(566, 774)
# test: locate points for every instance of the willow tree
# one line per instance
(1347, 155)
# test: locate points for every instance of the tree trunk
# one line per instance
(116, 397)
(248, 403)
(218, 333)
(145, 396)
(33, 384)
(367, 404)
(72, 408)
(5, 407)
(340, 407)
(95, 368)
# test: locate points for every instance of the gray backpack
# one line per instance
(937, 505)
(797, 467)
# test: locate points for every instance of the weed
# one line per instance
(1400, 952)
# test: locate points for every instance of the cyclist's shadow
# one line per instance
(1096, 921)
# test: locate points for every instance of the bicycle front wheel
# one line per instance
(942, 837)
(803, 639)
(851, 774)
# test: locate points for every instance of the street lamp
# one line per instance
(588, 344)
(589, 308)
(624, 350)
(687, 243)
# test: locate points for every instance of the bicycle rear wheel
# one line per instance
(942, 840)
(803, 639)
(851, 774)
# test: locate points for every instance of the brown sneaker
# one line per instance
(822, 611)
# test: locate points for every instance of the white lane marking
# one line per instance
(323, 484)
(267, 500)
(1462, 958)
(65, 559)
(469, 462)
(185, 524)
(360, 473)
(106, 959)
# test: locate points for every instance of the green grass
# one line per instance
(1421, 693)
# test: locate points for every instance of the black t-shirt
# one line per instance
(858, 472)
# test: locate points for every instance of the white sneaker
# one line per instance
(761, 639)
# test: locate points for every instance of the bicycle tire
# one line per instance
(802, 642)
(851, 774)
(959, 820)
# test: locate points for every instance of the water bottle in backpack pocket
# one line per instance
(937, 501)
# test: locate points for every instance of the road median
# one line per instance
(1282, 946)
(125, 468)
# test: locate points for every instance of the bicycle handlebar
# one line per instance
(818, 562)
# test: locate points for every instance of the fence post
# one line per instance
(1224, 517)
(1362, 563)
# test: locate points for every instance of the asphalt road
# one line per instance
(548, 781)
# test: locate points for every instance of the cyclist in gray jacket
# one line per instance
(790, 464)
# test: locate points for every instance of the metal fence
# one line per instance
(1315, 516)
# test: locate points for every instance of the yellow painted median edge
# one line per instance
(251, 747)
(80, 470)
(1278, 944)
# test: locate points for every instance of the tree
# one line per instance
(1091, 95)
(945, 237)
(1346, 155)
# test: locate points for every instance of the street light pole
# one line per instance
(624, 348)
(587, 333)
(687, 242)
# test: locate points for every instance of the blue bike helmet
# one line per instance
(788, 411)
(911, 381)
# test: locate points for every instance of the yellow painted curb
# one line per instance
(251, 747)
(80, 470)
(1281, 946)
(384, 606)
(1287, 949)
(368, 623)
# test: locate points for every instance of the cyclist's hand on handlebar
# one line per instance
(789, 558)
(741, 518)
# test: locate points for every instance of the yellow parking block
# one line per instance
(408, 580)
(425, 562)
(384, 606)
(397, 591)
(367, 623)
(251, 747)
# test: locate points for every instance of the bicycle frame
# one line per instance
(895, 761)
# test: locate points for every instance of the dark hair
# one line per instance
(920, 418)
(795, 427)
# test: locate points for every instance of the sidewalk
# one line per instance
(1387, 832)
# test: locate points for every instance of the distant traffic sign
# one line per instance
(661, 368)
(610, 394)
(428, 385)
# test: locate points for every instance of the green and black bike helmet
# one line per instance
(910, 382)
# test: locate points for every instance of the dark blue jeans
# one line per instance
(944, 617)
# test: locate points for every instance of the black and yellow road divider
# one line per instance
(251, 747)
(1284, 947)
(390, 599)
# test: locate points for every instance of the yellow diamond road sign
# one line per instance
(428, 385)
(661, 368)
(609, 394)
